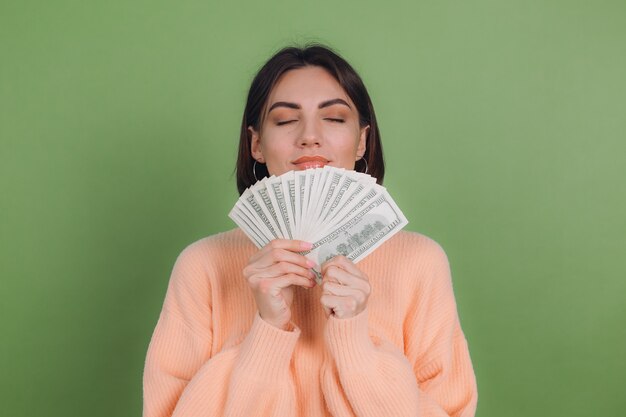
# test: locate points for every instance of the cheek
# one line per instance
(271, 143)
(276, 151)
(345, 152)
(347, 140)
(348, 146)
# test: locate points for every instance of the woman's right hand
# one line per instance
(271, 273)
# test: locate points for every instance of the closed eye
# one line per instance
(331, 119)
(284, 122)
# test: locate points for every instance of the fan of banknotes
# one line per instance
(341, 212)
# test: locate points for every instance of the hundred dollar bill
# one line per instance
(248, 228)
(289, 192)
(251, 219)
(299, 186)
(262, 195)
(354, 198)
(255, 204)
(309, 183)
(279, 205)
(352, 184)
(320, 176)
(360, 234)
(340, 198)
(340, 211)
(325, 195)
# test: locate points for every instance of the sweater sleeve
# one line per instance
(431, 377)
(183, 378)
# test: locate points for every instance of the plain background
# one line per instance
(504, 125)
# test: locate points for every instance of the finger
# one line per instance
(341, 276)
(327, 310)
(284, 244)
(332, 288)
(339, 306)
(274, 285)
(273, 256)
(292, 279)
(284, 268)
(288, 244)
(345, 264)
(329, 301)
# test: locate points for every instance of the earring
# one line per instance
(366, 167)
(254, 170)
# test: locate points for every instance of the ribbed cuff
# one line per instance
(266, 351)
(349, 343)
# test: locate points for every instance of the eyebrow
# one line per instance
(296, 106)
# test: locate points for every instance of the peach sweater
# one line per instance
(405, 355)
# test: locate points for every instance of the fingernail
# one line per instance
(306, 245)
(310, 263)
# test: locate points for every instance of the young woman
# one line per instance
(247, 332)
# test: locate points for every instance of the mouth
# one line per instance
(307, 162)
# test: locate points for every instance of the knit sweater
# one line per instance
(405, 355)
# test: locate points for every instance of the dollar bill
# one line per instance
(278, 205)
(340, 211)
(359, 234)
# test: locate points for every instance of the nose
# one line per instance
(310, 135)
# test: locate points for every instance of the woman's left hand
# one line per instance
(345, 288)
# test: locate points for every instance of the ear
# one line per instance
(361, 146)
(255, 145)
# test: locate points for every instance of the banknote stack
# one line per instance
(339, 211)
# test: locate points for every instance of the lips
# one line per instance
(306, 162)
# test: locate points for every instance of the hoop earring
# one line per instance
(254, 170)
(366, 167)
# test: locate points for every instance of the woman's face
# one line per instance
(309, 122)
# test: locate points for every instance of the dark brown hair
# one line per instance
(292, 58)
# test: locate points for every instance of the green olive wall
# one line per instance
(504, 130)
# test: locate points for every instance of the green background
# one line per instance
(504, 128)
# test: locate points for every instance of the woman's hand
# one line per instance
(271, 273)
(345, 288)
